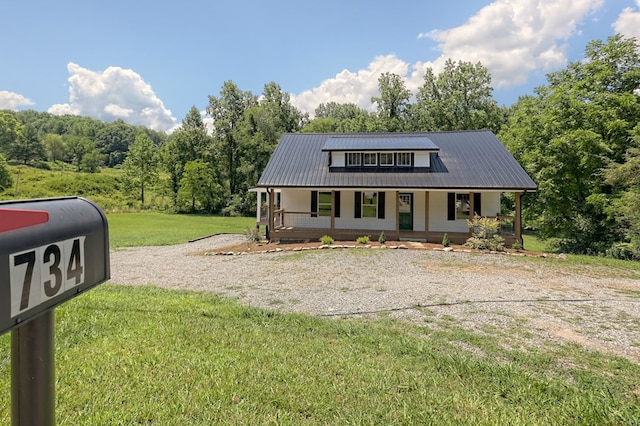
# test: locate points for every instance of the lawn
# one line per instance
(158, 229)
(142, 355)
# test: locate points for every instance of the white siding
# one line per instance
(347, 211)
(422, 159)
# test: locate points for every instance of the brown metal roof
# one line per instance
(466, 159)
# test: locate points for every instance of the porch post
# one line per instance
(426, 215)
(333, 211)
(398, 214)
(471, 212)
(271, 194)
(518, 219)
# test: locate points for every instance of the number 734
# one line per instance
(42, 273)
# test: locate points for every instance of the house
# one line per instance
(413, 186)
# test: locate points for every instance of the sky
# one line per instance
(148, 62)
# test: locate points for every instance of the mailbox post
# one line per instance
(51, 250)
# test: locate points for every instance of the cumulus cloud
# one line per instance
(114, 93)
(512, 38)
(11, 101)
(628, 23)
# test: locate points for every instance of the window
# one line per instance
(462, 206)
(369, 204)
(386, 159)
(403, 159)
(369, 159)
(353, 159)
(324, 204)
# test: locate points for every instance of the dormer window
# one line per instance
(353, 159)
(369, 159)
(386, 158)
(403, 159)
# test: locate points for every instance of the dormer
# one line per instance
(387, 153)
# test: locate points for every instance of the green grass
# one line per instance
(141, 355)
(156, 229)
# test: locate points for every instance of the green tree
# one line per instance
(189, 143)
(198, 186)
(10, 131)
(459, 98)
(77, 148)
(141, 165)
(113, 141)
(55, 147)
(227, 114)
(5, 175)
(567, 134)
(392, 102)
(340, 118)
(27, 147)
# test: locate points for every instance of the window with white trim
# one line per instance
(353, 159)
(403, 159)
(370, 204)
(463, 205)
(324, 203)
(386, 158)
(369, 159)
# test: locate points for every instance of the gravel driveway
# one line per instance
(538, 299)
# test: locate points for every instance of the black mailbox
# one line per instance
(50, 251)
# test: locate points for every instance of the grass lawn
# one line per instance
(142, 355)
(157, 229)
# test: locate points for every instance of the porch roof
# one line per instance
(466, 159)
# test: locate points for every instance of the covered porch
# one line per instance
(405, 221)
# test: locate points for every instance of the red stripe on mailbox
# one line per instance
(11, 219)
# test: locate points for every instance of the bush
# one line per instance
(252, 234)
(326, 240)
(382, 238)
(516, 246)
(363, 240)
(624, 251)
(484, 236)
(445, 240)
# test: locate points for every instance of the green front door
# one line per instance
(406, 211)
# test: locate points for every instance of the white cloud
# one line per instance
(628, 23)
(512, 38)
(112, 94)
(10, 100)
(351, 87)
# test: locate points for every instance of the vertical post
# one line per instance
(471, 212)
(271, 196)
(518, 219)
(426, 215)
(398, 214)
(33, 372)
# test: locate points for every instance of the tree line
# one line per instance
(577, 136)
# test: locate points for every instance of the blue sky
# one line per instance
(148, 62)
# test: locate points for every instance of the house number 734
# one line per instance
(42, 273)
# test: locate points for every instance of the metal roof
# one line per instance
(383, 142)
(466, 159)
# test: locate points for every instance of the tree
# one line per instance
(199, 186)
(459, 98)
(189, 143)
(392, 102)
(227, 113)
(140, 166)
(10, 131)
(5, 176)
(78, 147)
(27, 146)
(113, 141)
(567, 134)
(55, 148)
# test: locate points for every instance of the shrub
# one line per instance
(363, 240)
(252, 234)
(624, 251)
(516, 246)
(326, 240)
(484, 236)
(382, 238)
(445, 240)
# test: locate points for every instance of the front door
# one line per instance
(406, 211)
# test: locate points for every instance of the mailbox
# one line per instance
(50, 251)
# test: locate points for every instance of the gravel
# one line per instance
(536, 299)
